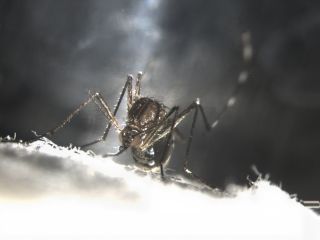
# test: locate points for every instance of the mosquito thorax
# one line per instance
(146, 112)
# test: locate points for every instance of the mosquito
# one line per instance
(151, 126)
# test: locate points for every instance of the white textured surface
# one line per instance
(49, 192)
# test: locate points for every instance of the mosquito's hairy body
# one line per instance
(144, 116)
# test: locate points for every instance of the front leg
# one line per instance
(127, 87)
(131, 97)
(98, 100)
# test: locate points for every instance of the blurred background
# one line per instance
(53, 52)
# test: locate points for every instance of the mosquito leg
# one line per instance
(190, 139)
(247, 53)
(92, 143)
(130, 93)
(102, 106)
(67, 120)
(100, 102)
(178, 135)
(127, 85)
(168, 140)
(138, 85)
(120, 150)
(150, 139)
(196, 106)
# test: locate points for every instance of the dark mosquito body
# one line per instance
(145, 114)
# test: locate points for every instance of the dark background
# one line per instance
(53, 52)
